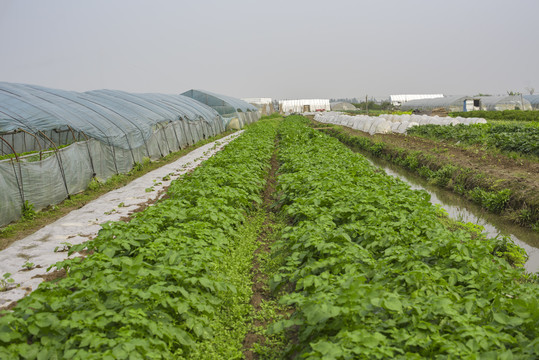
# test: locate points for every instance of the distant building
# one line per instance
(397, 100)
(304, 105)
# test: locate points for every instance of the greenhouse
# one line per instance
(264, 105)
(534, 101)
(449, 103)
(54, 142)
(235, 112)
(504, 102)
(342, 106)
(303, 105)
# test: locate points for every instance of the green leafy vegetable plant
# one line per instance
(375, 274)
(157, 287)
(6, 282)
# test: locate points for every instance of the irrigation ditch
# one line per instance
(463, 210)
(502, 185)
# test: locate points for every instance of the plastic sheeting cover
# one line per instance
(224, 105)
(387, 123)
(442, 102)
(534, 100)
(504, 102)
(117, 118)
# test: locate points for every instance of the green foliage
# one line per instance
(275, 115)
(385, 105)
(137, 166)
(411, 161)
(519, 115)
(377, 276)
(94, 184)
(230, 327)
(6, 282)
(494, 201)
(28, 265)
(153, 287)
(448, 174)
(377, 148)
(442, 176)
(28, 212)
(7, 230)
(514, 254)
(519, 138)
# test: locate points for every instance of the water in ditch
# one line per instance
(463, 210)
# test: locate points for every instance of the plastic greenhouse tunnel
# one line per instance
(54, 142)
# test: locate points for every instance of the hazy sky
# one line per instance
(279, 49)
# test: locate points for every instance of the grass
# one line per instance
(30, 224)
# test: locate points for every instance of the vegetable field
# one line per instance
(362, 262)
(519, 138)
(519, 115)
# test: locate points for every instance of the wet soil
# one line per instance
(54, 275)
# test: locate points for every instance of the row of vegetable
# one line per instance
(156, 287)
(373, 272)
(519, 138)
(519, 115)
(377, 276)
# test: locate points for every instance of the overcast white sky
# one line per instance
(279, 49)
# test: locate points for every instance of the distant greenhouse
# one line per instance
(342, 106)
(504, 102)
(235, 112)
(304, 105)
(264, 105)
(534, 101)
(469, 103)
(449, 103)
(397, 100)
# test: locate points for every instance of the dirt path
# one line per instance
(83, 224)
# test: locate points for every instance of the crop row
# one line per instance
(375, 273)
(500, 115)
(515, 202)
(151, 288)
(522, 139)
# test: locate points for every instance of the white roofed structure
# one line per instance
(397, 100)
(258, 101)
(304, 105)
(265, 105)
